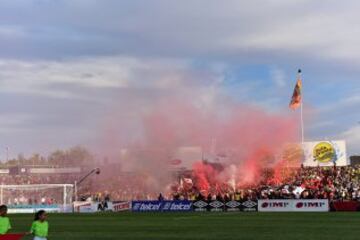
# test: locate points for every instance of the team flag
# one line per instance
(186, 183)
(296, 97)
(12, 236)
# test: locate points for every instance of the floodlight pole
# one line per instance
(95, 170)
(7, 154)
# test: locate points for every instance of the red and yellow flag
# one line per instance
(296, 97)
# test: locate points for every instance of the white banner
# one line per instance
(325, 153)
(119, 206)
(54, 170)
(90, 207)
(85, 207)
(293, 205)
(4, 171)
(33, 210)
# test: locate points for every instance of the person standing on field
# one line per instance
(5, 225)
(40, 227)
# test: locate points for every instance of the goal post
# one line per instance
(31, 197)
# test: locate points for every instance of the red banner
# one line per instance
(11, 236)
(350, 206)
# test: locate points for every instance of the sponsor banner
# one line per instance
(249, 206)
(185, 157)
(325, 153)
(4, 171)
(293, 205)
(216, 206)
(90, 207)
(119, 206)
(230, 206)
(33, 210)
(180, 206)
(161, 206)
(54, 170)
(233, 206)
(21, 210)
(200, 206)
(145, 206)
(85, 207)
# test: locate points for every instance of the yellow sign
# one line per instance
(324, 152)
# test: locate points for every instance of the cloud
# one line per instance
(345, 103)
(278, 76)
(28, 76)
(64, 103)
(59, 55)
(352, 135)
(77, 99)
(51, 78)
(246, 30)
(11, 31)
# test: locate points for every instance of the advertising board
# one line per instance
(293, 205)
(161, 206)
(325, 153)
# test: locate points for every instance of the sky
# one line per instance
(67, 67)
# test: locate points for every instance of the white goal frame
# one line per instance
(65, 187)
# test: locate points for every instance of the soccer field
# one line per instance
(198, 226)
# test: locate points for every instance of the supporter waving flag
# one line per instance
(296, 97)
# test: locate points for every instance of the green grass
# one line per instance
(339, 226)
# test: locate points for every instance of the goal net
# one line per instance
(33, 197)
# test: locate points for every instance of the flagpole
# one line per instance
(302, 122)
(301, 109)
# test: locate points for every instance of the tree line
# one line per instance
(72, 157)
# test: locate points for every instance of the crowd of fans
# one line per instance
(104, 187)
(334, 183)
(25, 179)
(123, 186)
(319, 183)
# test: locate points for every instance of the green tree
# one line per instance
(57, 157)
(79, 156)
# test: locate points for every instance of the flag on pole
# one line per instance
(12, 236)
(296, 97)
(186, 183)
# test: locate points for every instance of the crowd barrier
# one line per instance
(268, 205)
(28, 208)
(90, 207)
(230, 206)
(198, 206)
(280, 205)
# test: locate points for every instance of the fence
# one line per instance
(272, 205)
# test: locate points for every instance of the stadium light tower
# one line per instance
(7, 153)
(93, 171)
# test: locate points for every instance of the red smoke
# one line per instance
(205, 176)
(248, 138)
